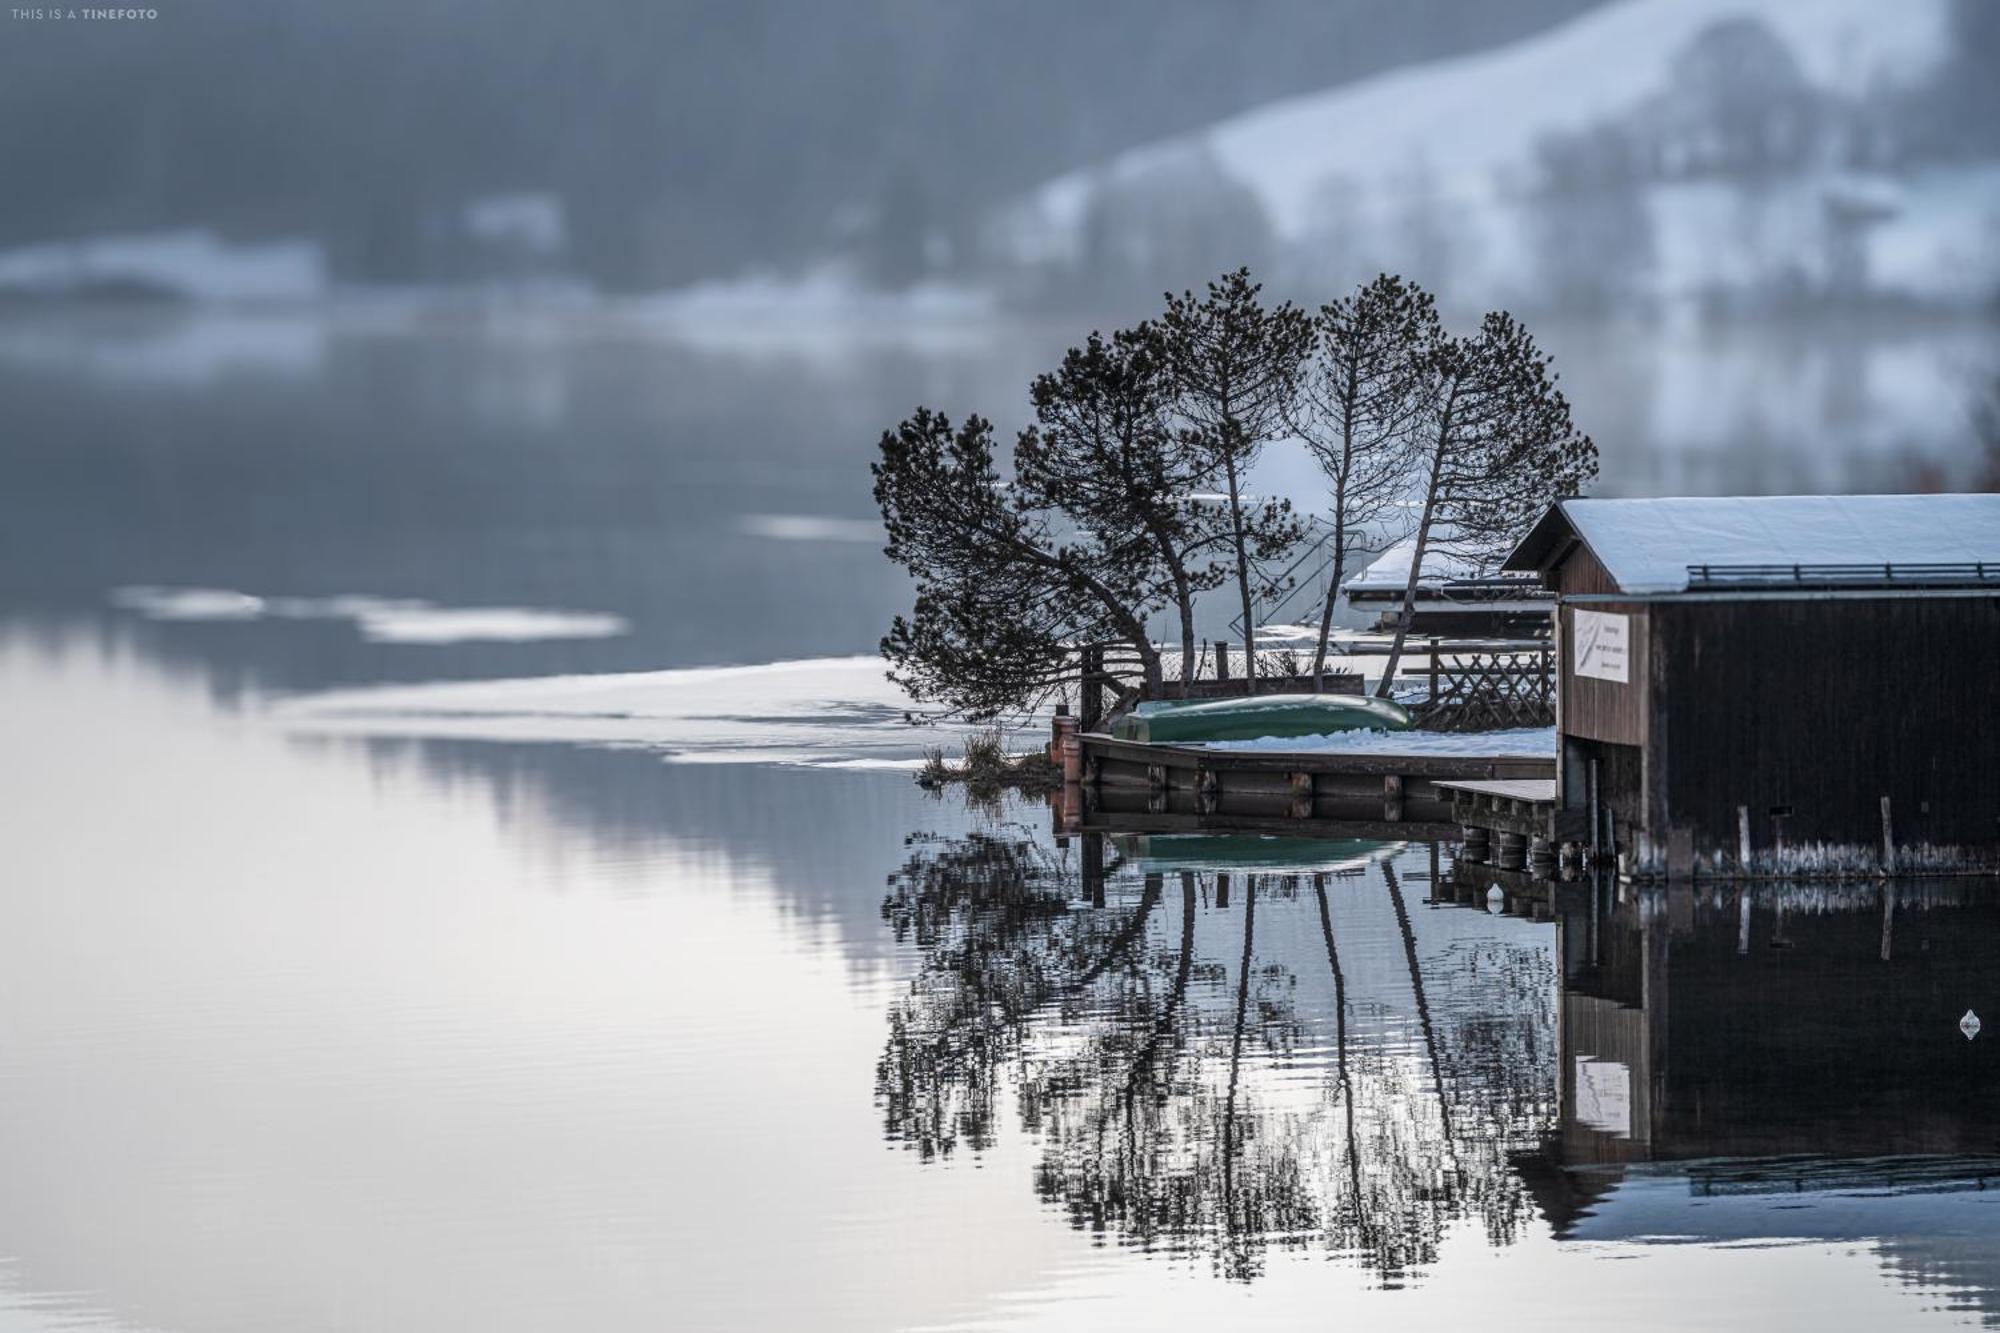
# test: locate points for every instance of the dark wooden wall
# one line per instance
(1826, 706)
(1581, 572)
(1600, 710)
(1605, 710)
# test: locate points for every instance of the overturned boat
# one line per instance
(1275, 715)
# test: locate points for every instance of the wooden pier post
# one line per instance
(1888, 841)
(1090, 709)
(1069, 749)
(1093, 868)
(1221, 660)
(1596, 819)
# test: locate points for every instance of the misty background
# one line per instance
(1042, 154)
(596, 311)
(451, 781)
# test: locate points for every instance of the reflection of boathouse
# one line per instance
(1766, 1020)
(1755, 1060)
(1740, 677)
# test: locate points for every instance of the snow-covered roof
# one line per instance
(1391, 569)
(1648, 545)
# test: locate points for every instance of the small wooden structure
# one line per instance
(1749, 686)
(1454, 596)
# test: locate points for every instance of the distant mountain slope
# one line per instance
(680, 139)
(1684, 146)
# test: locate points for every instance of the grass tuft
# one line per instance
(987, 769)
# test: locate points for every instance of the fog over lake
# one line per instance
(337, 1003)
(460, 862)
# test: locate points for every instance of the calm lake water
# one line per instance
(461, 872)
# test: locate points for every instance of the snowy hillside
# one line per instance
(1608, 142)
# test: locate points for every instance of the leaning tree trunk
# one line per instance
(1184, 603)
(1133, 628)
(1242, 577)
(1149, 664)
(1343, 1078)
(1236, 1055)
(1408, 614)
(1332, 590)
(1432, 483)
(1423, 1003)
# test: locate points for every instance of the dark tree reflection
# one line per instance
(1201, 1065)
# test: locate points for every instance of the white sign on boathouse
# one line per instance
(1601, 639)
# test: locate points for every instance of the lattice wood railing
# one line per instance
(1486, 691)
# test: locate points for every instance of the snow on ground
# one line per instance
(838, 712)
(835, 712)
(1518, 741)
(1442, 157)
(379, 619)
(1467, 122)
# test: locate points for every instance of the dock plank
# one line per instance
(1539, 791)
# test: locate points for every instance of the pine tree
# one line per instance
(1103, 452)
(1495, 446)
(1001, 595)
(1236, 367)
(1357, 404)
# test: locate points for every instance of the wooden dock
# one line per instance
(1142, 787)
(1514, 805)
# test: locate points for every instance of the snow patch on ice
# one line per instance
(379, 619)
(189, 603)
(823, 712)
(490, 624)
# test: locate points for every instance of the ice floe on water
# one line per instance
(379, 619)
(189, 603)
(835, 712)
(493, 624)
(812, 528)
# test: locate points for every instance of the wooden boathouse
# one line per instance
(1751, 685)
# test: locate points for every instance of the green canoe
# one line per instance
(1271, 715)
(1157, 852)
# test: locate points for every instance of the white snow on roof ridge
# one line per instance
(1647, 545)
(1391, 569)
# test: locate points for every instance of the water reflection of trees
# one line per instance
(1207, 1085)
